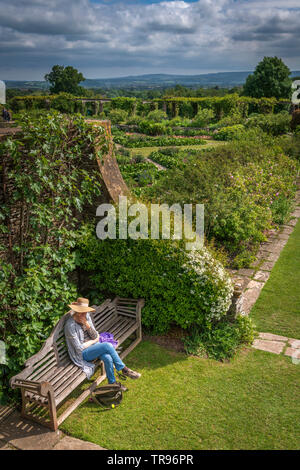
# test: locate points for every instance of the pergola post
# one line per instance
(195, 108)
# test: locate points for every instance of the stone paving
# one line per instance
(17, 433)
(278, 345)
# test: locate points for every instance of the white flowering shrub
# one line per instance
(179, 287)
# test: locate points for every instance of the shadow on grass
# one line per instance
(147, 356)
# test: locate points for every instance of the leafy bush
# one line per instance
(203, 117)
(153, 128)
(274, 124)
(64, 102)
(138, 172)
(281, 207)
(291, 145)
(134, 120)
(166, 160)
(231, 120)
(179, 121)
(230, 132)
(157, 115)
(179, 287)
(117, 115)
(221, 340)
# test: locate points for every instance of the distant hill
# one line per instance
(208, 80)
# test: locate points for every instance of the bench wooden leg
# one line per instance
(52, 412)
(53, 425)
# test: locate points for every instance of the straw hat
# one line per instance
(81, 306)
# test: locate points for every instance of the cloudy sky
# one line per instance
(107, 38)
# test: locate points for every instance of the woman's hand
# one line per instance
(96, 339)
(82, 320)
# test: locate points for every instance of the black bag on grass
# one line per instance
(108, 396)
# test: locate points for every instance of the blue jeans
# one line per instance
(107, 353)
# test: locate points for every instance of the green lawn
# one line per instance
(145, 151)
(277, 309)
(184, 402)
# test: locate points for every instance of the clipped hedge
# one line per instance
(180, 287)
(175, 106)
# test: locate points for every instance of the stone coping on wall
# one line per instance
(249, 282)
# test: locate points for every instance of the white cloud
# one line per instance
(122, 38)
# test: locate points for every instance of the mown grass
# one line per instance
(277, 309)
(145, 151)
(184, 402)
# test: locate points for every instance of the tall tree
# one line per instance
(65, 79)
(271, 78)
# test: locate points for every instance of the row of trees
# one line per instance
(271, 78)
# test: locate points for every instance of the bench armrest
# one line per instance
(40, 388)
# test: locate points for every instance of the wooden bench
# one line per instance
(50, 376)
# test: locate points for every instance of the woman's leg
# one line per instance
(109, 367)
(101, 350)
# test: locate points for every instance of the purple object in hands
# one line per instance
(108, 338)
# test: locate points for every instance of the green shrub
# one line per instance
(281, 208)
(134, 120)
(138, 172)
(203, 117)
(230, 132)
(230, 120)
(117, 116)
(220, 341)
(274, 124)
(179, 122)
(102, 116)
(153, 128)
(291, 145)
(64, 102)
(166, 160)
(179, 287)
(157, 115)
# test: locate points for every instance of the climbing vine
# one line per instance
(48, 179)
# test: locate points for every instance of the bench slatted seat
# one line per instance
(50, 376)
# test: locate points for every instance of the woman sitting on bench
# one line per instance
(81, 353)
